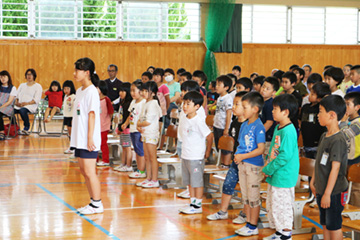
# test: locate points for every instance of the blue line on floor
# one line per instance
(312, 221)
(74, 210)
(235, 235)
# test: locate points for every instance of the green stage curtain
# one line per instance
(218, 22)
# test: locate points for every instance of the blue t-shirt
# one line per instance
(249, 137)
(353, 89)
(266, 114)
(173, 88)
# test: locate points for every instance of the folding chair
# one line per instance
(351, 211)
(12, 119)
(171, 132)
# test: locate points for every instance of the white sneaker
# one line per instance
(118, 167)
(217, 216)
(137, 174)
(124, 169)
(191, 210)
(239, 220)
(184, 194)
(245, 231)
(91, 210)
(140, 184)
(68, 151)
(151, 184)
(183, 208)
(81, 208)
(274, 236)
(102, 164)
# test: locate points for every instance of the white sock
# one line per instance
(192, 200)
(286, 233)
(97, 203)
(198, 202)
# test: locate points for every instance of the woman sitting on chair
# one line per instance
(7, 97)
(28, 98)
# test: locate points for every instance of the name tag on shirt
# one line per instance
(114, 88)
(311, 117)
(324, 158)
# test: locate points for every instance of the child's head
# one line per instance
(188, 86)
(279, 74)
(333, 76)
(135, 89)
(212, 86)
(233, 79)
(332, 109)
(149, 90)
(258, 82)
(312, 79)
(253, 103)
(223, 84)
(55, 86)
(124, 92)
(244, 84)
(352, 100)
(308, 69)
(292, 67)
(85, 69)
(193, 100)
(300, 73)
(269, 88)
(169, 74)
(102, 88)
(68, 87)
(327, 67)
(185, 76)
(158, 75)
(284, 106)
(200, 77)
(346, 70)
(318, 91)
(146, 76)
(253, 76)
(150, 69)
(179, 72)
(236, 70)
(288, 81)
(355, 74)
(237, 108)
(5, 78)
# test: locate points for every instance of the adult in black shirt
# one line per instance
(114, 85)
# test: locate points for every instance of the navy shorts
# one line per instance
(67, 121)
(82, 153)
(137, 143)
(331, 217)
(217, 135)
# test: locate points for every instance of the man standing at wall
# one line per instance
(114, 85)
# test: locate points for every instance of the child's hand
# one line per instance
(238, 158)
(313, 190)
(91, 146)
(117, 131)
(325, 201)
(140, 129)
(123, 127)
(226, 132)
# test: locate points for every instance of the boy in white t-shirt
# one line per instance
(194, 132)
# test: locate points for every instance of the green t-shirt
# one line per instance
(173, 88)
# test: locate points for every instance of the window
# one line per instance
(14, 18)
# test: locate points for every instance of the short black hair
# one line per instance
(279, 74)
(321, 89)
(335, 73)
(236, 67)
(180, 71)
(328, 66)
(354, 97)
(348, 65)
(246, 82)
(188, 75)
(356, 68)
(194, 97)
(137, 83)
(301, 72)
(152, 67)
(113, 65)
(69, 84)
(287, 102)
(232, 76)
(226, 80)
(293, 66)
(190, 85)
(254, 74)
(103, 87)
(169, 70)
(147, 74)
(307, 65)
(255, 99)
(274, 83)
(241, 94)
(200, 74)
(314, 78)
(259, 80)
(159, 71)
(290, 75)
(125, 87)
(32, 71)
(213, 84)
(334, 103)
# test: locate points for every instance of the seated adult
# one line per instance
(28, 98)
(7, 97)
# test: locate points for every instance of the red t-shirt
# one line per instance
(55, 98)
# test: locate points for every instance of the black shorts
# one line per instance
(67, 121)
(331, 217)
(82, 153)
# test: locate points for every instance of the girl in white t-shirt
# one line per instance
(68, 107)
(85, 135)
(148, 126)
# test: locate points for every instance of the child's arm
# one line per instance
(167, 99)
(175, 97)
(125, 124)
(254, 153)
(335, 168)
(312, 186)
(227, 123)
(351, 131)
(91, 126)
(209, 142)
(268, 125)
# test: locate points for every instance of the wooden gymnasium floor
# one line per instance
(40, 188)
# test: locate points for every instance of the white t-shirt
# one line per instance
(135, 109)
(193, 133)
(151, 114)
(28, 93)
(233, 93)
(338, 92)
(200, 112)
(223, 104)
(68, 105)
(86, 101)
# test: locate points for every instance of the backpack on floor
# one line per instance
(14, 128)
